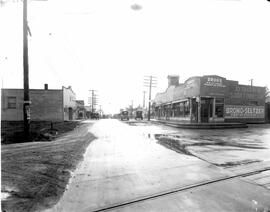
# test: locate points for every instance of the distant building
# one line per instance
(210, 98)
(267, 99)
(46, 104)
(80, 109)
(69, 103)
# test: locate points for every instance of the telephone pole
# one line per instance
(26, 102)
(93, 99)
(150, 81)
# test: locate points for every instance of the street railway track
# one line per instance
(172, 191)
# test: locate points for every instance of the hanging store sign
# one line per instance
(214, 82)
(237, 111)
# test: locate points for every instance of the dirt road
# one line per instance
(35, 175)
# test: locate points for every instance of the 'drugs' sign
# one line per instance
(237, 111)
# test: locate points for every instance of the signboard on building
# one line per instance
(191, 88)
(248, 93)
(239, 111)
(213, 85)
(214, 81)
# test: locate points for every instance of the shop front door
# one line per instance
(205, 110)
(70, 113)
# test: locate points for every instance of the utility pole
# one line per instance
(26, 102)
(150, 81)
(93, 99)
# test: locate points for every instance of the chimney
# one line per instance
(173, 80)
(46, 86)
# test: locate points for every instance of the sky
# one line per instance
(107, 46)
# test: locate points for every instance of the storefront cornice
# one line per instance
(180, 100)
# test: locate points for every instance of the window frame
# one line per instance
(219, 104)
(11, 105)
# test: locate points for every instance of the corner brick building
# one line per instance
(210, 99)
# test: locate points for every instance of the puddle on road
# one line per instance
(4, 195)
(184, 141)
(171, 143)
(224, 144)
(137, 123)
(7, 192)
(181, 143)
(237, 163)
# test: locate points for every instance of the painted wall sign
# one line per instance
(249, 89)
(238, 111)
(214, 82)
(191, 88)
(248, 93)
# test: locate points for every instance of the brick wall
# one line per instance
(47, 105)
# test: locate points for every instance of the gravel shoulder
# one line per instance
(34, 175)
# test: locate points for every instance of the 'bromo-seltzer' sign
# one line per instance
(237, 111)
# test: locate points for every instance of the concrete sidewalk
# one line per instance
(209, 125)
(123, 166)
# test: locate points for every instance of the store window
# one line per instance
(176, 109)
(162, 111)
(187, 108)
(166, 110)
(11, 102)
(253, 102)
(219, 107)
(181, 109)
(170, 112)
(211, 108)
(219, 101)
(220, 111)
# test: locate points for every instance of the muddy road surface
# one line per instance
(137, 166)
